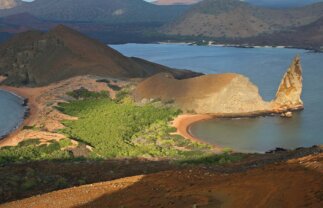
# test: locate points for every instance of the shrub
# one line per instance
(64, 143)
(31, 150)
(83, 93)
(114, 87)
(103, 81)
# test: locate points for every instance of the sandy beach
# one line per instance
(183, 123)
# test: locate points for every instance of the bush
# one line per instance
(103, 81)
(83, 93)
(65, 143)
(114, 87)
(31, 150)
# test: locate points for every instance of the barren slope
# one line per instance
(104, 11)
(295, 183)
(235, 19)
(36, 58)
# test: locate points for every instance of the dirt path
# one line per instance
(295, 183)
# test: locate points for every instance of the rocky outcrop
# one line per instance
(290, 90)
(217, 93)
(7, 4)
(223, 94)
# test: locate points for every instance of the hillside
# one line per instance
(282, 4)
(308, 36)
(206, 186)
(236, 19)
(104, 11)
(265, 3)
(110, 21)
(108, 33)
(37, 58)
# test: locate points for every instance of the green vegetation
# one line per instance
(120, 128)
(110, 127)
(221, 159)
(32, 150)
(115, 129)
(83, 93)
(121, 95)
(114, 87)
(103, 81)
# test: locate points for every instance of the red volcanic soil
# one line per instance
(294, 183)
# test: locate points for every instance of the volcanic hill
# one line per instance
(35, 58)
(223, 94)
(237, 19)
(104, 11)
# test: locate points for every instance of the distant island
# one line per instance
(247, 23)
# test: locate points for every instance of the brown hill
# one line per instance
(308, 36)
(223, 94)
(104, 11)
(36, 58)
(236, 19)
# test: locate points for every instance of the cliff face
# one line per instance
(224, 94)
(7, 4)
(217, 93)
(290, 90)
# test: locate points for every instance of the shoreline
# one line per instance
(25, 106)
(308, 49)
(42, 114)
(30, 113)
(183, 123)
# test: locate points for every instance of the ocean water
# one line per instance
(11, 112)
(265, 67)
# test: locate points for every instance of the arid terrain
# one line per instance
(292, 183)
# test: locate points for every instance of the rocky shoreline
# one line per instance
(213, 44)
